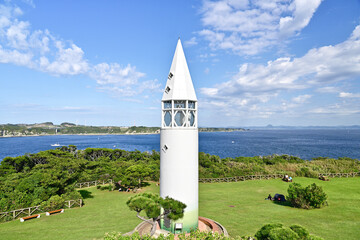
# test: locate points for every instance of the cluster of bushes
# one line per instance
(109, 187)
(277, 231)
(33, 179)
(308, 197)
(212, 166)
(57, 202)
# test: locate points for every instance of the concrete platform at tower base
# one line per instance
(205, 225)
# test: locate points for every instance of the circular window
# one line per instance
(179, 118)
(192, 119)
(167, 118)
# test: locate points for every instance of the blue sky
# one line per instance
(253, 63)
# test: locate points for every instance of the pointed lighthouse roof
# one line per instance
(179, 85)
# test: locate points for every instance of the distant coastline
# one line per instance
(48, 128)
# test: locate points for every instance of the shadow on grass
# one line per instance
(85, 194)
(283, 203)
(145, 184)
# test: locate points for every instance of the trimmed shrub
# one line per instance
(283, 234)
(71, 196)
(311, 196)
(264, 231)
(54, 203)
(301, 231)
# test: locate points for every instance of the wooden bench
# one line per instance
(324, 178)
(54, 212)
(29, 217)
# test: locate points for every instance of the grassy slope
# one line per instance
(340, 220)
(107, 212)
(104, 212)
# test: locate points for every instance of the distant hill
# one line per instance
(48, 128)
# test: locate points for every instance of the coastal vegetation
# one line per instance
(239, 206)
(32, 179)
(48, 128)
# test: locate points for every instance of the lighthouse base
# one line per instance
(204, 225)
(186, 224)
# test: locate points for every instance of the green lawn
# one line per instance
(103, 212)
(339, 220)
(107, 212)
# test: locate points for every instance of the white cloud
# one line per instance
(258, 84)
(115, 74)
(68, 61)
(40, 50)
(302, 13)
(249, 27)
(328, 89)
(301, 98)
(16, 57)
(349, 95)
(337, 109)
(191, 42)
(17, 34)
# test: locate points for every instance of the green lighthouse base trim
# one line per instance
(188, 223)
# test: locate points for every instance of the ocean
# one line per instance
(304, 143)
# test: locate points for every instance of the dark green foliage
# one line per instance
(277, 231)
(152, 204)
(33, 178)
(264, 231)
(283, 234)
(54, 203)
(300, 231)
(311, 196)
(306, 172)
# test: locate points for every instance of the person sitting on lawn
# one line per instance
(269, 197)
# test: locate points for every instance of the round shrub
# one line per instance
(54, 203)
(311, 196)
(264, 231)
(301, 231)
(74, 195)
(283, 234)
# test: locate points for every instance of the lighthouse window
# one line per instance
(179, 118)
(167, 118)
(164, 148)
(179, 104)
(167, 89)
(191, 105)
(167, 104)
(192, 118)
(170, 76)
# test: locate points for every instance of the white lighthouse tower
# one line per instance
(179, 144)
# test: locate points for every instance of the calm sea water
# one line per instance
(306, 144)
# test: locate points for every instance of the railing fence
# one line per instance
(269, 176)
(93, 183)
(24, 212)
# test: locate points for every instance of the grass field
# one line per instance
(106, 212)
